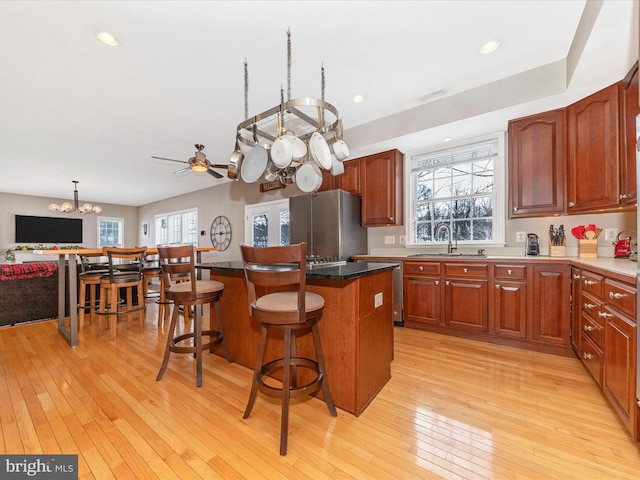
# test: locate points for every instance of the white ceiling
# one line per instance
(72, 108)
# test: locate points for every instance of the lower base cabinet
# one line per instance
(516, 304)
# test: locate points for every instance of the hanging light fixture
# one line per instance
(67, 207)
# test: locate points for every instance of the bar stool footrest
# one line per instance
(277, 364)
(215, 340)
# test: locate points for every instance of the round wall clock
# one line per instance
(221, 233)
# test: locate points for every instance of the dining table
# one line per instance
(70, 257)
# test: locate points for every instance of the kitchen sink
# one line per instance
(447, 255)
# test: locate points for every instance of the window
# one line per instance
(177, 227)
(460, 187)
(267, 224)
(110, 232)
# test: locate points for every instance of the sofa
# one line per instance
(28, 292)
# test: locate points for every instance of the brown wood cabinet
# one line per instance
(550, 309)
(593, 167)
(381, 181)
(510, 301)
(537, 165)
(350, 179)
(421, 292)
(518, 304)
(629, 110)
(465, 296)
(608, 345)
(576, 292)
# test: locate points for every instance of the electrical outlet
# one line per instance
(610, 234)
(389, 239)
(377, 301)
(521, 236)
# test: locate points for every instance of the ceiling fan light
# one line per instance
(199, 167)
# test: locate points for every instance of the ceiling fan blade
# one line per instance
(169, 159)
(182, 170)
(214, 173)
(223, 166)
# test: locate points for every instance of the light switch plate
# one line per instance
(377, 301)
(610, 234)
(521, 236)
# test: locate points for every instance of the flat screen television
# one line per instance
(30, 229)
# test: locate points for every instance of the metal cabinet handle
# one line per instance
(589, 306)
(447, 282)
(604, 314)
(587, 356)
(589, 282)
(624, 195)
(616, 295)
(420, 268)
(509, 272)
(437, 282)
(572, 204)
(515, 209)
(465, 270)
(497, 287)
(587, 328)
(576, 277)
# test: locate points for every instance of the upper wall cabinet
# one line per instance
(593, 167)
(537, 165)
(629, 110)
(381, 180)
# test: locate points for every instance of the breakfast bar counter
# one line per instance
(356, 328)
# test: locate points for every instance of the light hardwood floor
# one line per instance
(453, 409)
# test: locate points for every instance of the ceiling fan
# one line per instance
(197, 163)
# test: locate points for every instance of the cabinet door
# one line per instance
(619, 366)
(350, 179)
(629, 111)
(381, 189)
(328, 181)
(537, 165)
(510, 308)
(466, 304)
(593, 166)
(576, 302)
(550, 312)
(421, 302)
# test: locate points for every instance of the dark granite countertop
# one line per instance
(348, 271)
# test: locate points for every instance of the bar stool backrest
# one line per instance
(178, 264)
(281, 268)
(131, 258)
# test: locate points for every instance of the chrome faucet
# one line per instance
(450, 248)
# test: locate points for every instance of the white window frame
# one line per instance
(271, 208)
(120, 221)
(184, 228)
(499, 198)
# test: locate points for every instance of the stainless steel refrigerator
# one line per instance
(330, 224)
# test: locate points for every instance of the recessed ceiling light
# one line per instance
(358, 99)
(447, 139)
(489, 47)
(107, 39)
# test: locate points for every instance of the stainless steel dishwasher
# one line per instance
(398, 321)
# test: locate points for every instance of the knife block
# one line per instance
(588, 248)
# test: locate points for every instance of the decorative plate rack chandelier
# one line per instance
(292, 142)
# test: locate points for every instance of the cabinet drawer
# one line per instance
(594, 330)
(510, 271)
(591, 306)
(591, 356)
(620, 296)
(466, 269)
(421, 268)
(593, 283)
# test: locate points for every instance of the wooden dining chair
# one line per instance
(279, 301)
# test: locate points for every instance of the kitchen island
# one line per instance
(356, 329)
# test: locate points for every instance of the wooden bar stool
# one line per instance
(89, 278)
(293, 311)
(124, 275)
(184, 289)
